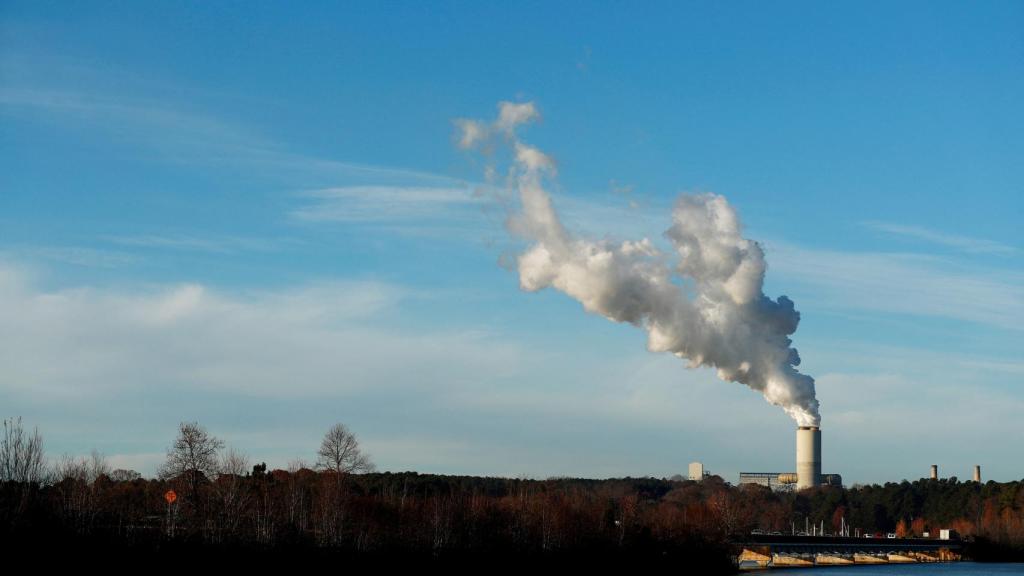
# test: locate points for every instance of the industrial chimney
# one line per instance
(977, 474)
(935, 471)
(808, 457)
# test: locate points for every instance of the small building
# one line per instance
(697, 472)
(784, 481)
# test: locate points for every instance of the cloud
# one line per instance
(182, 136)
(268, 371)
(385, 204)
(901, 283)
(470, 132)
(512, 114)
(77, 255)
(212, 244)
(322, 339)
(960, 243)
(473, 133)
(117, 368)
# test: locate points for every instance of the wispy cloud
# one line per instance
(956, 242)
(214, 244)
(869, 408)
(470, 212)
(902, 283)
(384, 203)
(76, 255)
(186, 136)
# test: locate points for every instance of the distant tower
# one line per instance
(935, 471)
(977, 474)
(696, 471)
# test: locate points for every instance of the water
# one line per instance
(950, 569)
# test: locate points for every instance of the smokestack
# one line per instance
(977, 474)
(808, 457)
(935, 472)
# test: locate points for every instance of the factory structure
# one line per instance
(808, 466)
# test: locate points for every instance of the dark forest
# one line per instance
(411, 515)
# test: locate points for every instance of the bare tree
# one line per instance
(233, 463)
(339, 452)
(231, 493)
(81, 469)
(194, 456)
(296, 501)
(21, 454)
(75, 482)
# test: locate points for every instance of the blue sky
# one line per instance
(257, 217)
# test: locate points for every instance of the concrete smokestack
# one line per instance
(935, 472)
(808, 457)
(977, 474)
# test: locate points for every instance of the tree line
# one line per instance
(340, 504)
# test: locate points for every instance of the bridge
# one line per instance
(761, 552)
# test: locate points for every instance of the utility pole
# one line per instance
(172, 508)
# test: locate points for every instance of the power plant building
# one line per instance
(808, 466)
(785, 481)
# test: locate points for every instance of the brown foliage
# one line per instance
(902, 531)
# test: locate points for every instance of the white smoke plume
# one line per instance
(703, 302)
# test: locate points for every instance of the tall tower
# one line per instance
(977, 473)
(935, 472)
(808, 457)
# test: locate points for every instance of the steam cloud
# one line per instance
(715, 313)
